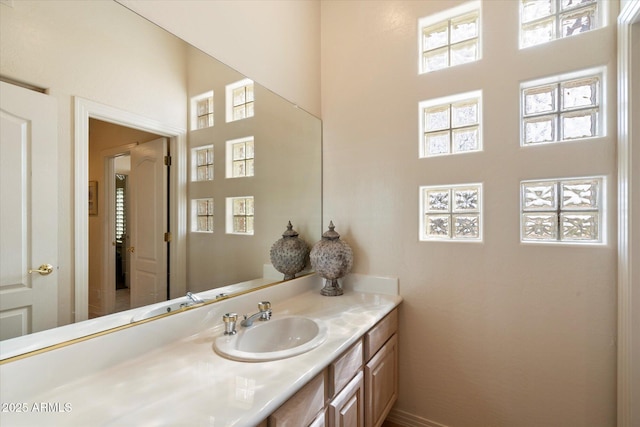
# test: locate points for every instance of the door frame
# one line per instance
(84, 110)
(628, 300)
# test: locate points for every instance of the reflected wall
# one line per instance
(284, 186)
(72, 49)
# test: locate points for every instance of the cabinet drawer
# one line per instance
(380, 333)
(303, 408)
(345, 368)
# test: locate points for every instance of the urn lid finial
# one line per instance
(331, 234)
(290, 232)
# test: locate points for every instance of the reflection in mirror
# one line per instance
(129, 189)
(244, 162)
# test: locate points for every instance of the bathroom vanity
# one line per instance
(357, 389)
(166, 371)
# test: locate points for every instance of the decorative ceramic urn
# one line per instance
(289, 255)
(332, 259)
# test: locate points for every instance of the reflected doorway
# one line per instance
(128, 260)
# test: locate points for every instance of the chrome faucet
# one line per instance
(263, 314)
(194, 299)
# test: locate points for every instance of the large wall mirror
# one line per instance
(129, 97)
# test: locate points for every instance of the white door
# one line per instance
(148, 198)
(28, 211)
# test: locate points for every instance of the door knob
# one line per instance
(44, 269)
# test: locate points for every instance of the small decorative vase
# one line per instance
(332, 259)
(289, 255)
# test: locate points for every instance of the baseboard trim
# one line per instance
(406, 419)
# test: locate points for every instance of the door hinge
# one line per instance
(167, 237)
(167, 160)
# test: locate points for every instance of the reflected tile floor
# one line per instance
(123, 299)
(123, 302)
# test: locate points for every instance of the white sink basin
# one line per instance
(273, 339)
(157, 311)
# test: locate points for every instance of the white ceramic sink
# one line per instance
(156, 311)
(273, 339)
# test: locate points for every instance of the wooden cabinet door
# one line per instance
(347, 408)
(381, 383)
(320, 421)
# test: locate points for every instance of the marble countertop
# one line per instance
(183, 381)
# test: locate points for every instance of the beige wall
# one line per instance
(275, 43)
(104, 66)
(495, 333)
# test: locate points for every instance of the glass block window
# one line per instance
(202, 111)
(563, 109)
(450, 38)
(240, 100)
(240, 215)
(451, 212)
(451, 125)
(202, 215)
(202, 163)
(240, 157)
(568, 210)
(544, 20)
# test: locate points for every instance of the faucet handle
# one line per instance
(230, 320)
(265, 310)
(264, 306)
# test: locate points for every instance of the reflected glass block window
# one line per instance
(544, 20)
(568, 211)
(451, 125)
(564, 109)
(202, 111)
(202, 163)
(450, 38)
(240, 215)
(240, 100)
(202, 215)
(451, 212)
(240, 158)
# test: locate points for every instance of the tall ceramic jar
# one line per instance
(290, 254)
(332, 259)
